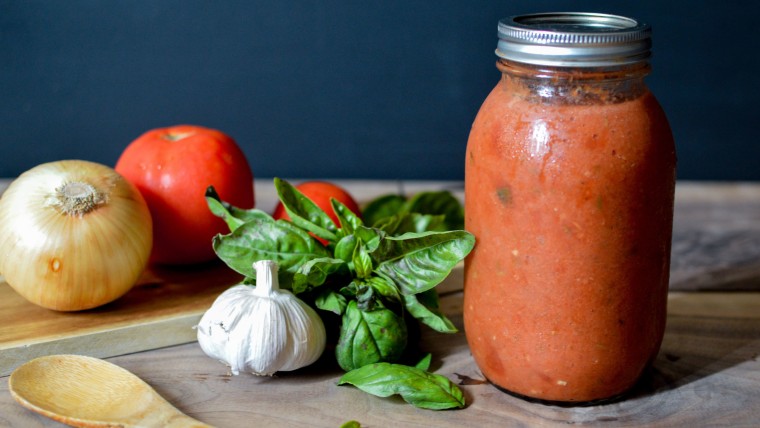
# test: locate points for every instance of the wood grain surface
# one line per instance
(716, 237)
(707, 373)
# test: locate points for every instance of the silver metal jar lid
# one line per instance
(570, 39)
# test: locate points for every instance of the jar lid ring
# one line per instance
(574, 39)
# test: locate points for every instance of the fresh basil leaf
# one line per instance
(417, 262)
(389, 224)
(417, 387)
(233, 216)
(438, 203)
(331, 301)
(413, 222)
(278, 240)
(348, 220)
(384, 287)
(368, 337)
(423, 223)
(314, 272)
(362, 262)
(350, 290)
(344, 249)
(370, 237)
(424, 363)
(365, 296)
(389, 212)
(361, 291)
(304, 212)
(424, 307)
(382, 208)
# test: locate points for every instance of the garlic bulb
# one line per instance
(74, 235)
(261, 329)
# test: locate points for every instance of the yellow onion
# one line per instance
(74, 235)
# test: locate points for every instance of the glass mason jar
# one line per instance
(569, 185)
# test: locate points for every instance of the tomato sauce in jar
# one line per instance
(569, 185)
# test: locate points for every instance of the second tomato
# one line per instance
(320, 192)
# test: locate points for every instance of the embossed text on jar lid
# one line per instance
(574, 39)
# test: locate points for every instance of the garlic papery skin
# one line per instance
(262, 329)
(74, 235)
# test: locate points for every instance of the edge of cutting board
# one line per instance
(161, 310)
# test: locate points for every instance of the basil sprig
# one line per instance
(377, 278)
(415, 385)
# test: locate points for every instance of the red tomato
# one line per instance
(172, 167)
(320, 193)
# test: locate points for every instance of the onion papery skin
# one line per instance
(72, 262)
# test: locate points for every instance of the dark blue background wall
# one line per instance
(349, 89)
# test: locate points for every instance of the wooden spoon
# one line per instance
(88, 392)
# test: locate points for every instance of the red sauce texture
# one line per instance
(572, 208)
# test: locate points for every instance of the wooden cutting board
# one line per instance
(161, 310)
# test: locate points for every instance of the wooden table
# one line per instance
(707, 373)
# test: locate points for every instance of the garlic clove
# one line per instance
(262, 329)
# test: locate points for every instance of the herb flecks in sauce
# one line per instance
(505, 195)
